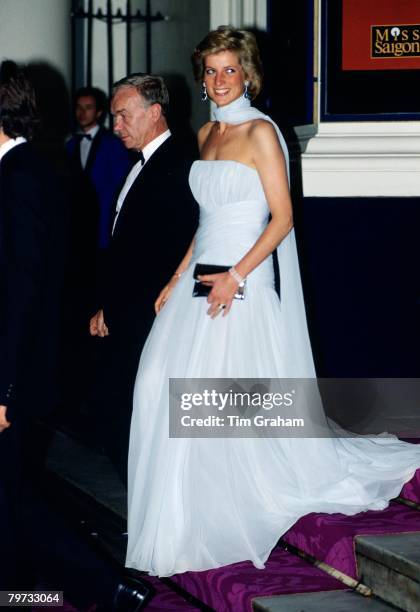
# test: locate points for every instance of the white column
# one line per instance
(363, 159)
(36, 31)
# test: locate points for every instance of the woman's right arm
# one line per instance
(167, 290)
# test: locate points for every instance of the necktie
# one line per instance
(140, 157)
(81, 136)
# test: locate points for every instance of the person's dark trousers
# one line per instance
(112, 397)
(22, 457)
(10, 483)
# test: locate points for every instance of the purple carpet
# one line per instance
(411, 490)
(233, 587)
(166, 599)
(330, 537)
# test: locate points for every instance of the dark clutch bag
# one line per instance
(201, 290)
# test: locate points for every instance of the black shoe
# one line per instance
(133, 594)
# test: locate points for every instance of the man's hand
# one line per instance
(97, 326)
(4, 423)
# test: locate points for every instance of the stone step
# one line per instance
(390, 565)
(330, 537)
(87, 470)
(333, 601)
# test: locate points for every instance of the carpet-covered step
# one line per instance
(234, 587)
(390, 565)
(330, 537)
(333, 601)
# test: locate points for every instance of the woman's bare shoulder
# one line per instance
(263, 136)
(260, 128)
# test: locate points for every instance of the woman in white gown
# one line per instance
(199, 503)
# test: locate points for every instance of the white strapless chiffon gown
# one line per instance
(196, 504)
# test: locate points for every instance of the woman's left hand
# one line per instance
(220, 298)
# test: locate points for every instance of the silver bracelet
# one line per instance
(235, 274)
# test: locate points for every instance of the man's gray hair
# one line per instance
(151, 87)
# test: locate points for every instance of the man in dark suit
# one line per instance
(155, 221)
(32, 251)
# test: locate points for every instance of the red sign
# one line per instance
(381, 34)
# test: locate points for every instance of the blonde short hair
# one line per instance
(243, 43)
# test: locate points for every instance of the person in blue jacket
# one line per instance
(98, 159)
(98, 166)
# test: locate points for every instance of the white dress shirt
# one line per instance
(148, 151)
(9, 144)
(86, 143)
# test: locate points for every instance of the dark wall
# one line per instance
(287, 55)
(360, 268)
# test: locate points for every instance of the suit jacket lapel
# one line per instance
(153, 166)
